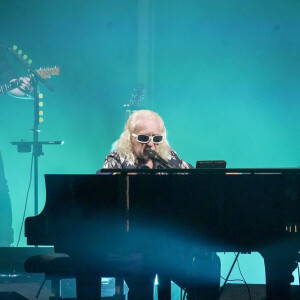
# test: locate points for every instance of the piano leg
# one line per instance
(164, 288)
(279, 266)
(201, 279)
(88, 286)
(140, 287)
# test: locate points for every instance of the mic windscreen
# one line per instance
(150, 153)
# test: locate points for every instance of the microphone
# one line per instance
(155, 157)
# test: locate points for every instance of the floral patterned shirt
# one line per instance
(115, 160)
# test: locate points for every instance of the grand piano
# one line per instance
(100, 219)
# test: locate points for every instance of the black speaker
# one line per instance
(240, 291)
(257, 291)
(11, 296)
(25, 286)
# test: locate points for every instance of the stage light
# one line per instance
(41, 104)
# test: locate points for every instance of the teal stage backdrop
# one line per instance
(224, 75)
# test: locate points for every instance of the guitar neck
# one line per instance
(44, 73)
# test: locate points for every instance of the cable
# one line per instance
(233, 279)
(247, 286)
(227, 277)
(26, 200)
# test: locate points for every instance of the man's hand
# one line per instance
(25, 84)
(24, 90)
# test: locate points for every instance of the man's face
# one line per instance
(148, 127)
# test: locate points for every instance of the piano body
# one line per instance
(165, 214)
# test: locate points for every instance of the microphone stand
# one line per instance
(36, 145)
(36, 149)
(155, 157)
(163, 164)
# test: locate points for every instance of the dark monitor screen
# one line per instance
(210, 164)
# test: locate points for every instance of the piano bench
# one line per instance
(55, 266)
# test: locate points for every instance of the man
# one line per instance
(144, 131)
(22, 90)
(7, 75)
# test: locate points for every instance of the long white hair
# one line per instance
(124, 146)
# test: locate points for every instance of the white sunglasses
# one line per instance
(144, 138)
